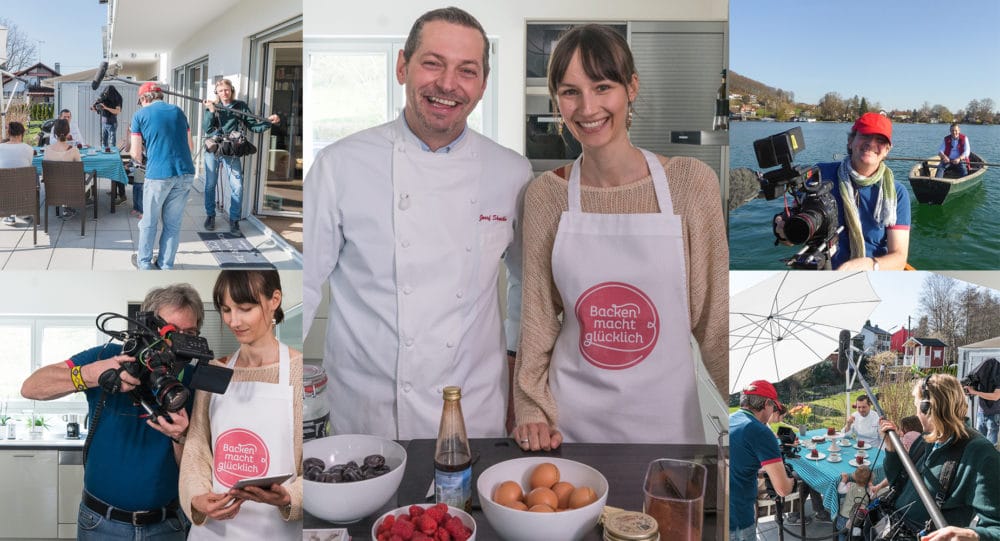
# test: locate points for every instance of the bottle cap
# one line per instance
(452, 392)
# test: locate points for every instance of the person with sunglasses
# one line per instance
(131, 467)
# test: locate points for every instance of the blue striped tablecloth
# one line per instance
(106, 164)
(824, 476)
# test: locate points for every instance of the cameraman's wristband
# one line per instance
(77, 377)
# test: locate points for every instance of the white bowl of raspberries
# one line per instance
(425, 521)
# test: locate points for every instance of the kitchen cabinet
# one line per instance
(70, 478)
(28, 493)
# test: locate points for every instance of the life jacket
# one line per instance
(948, 141)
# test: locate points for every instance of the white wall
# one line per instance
(84, 293)
(224, 40)
(503, 20)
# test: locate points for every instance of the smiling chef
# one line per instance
(408, 221)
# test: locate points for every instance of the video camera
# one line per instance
(109, 97)
(812, 218)
(161, 353)
(787, 438)
(769, 486)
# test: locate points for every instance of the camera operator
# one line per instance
(109, 106)
(987, 387)
(131, 470)
(753, 446)
(957, 464)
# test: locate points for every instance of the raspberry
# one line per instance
(420, 536)
(395, 538)
(442, 535)
(436, 513)
(443, 507)
(455, 527)
(387, 524)
(416, 511)
(426, 524)
(404, 529)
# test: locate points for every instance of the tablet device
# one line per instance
(263, 482)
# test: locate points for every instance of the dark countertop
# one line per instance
(624, 466)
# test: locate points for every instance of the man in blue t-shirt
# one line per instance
(131, 471)
(161, 130)
(753, 446)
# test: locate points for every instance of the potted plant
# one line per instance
(4, 420)
(37, 425)
(800, 415)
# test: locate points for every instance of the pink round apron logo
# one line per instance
(619, 325)
(239, 454)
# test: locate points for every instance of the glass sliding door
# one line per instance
(280, 158)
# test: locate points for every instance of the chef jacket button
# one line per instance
(407, 387)
(473, 201)
(450, 344)
(468, 248)
(459, 294)
(405, 243)
(409, 342)
(404, 201)
(407, 290)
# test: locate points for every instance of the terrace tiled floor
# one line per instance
(111, 240)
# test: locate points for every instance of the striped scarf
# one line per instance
(885, 205)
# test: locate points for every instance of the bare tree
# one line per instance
(939, 300)
(21, 50)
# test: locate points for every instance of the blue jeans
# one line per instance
(93, 527)
(989, 426)
(960, 167)
(746, 534)
(162, 199)
(109, 135)
(232, 167)
(137, 197)
(840, 524)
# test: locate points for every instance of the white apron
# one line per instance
(622, 367)
(446, 262)
(252, 436)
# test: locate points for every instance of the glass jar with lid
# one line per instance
(315, 406)
(630, 526)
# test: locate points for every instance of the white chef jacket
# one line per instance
(866, 428)
(410, 315)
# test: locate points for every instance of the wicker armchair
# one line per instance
(66, 184)
(19, 194)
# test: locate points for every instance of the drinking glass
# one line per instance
(674, 493)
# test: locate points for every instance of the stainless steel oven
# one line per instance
(545, 145)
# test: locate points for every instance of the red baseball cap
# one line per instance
(874, 124)
(149, 86)
(764, 388)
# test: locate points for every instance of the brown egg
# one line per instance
(563, 491)
(582, 496)
(507, 493)
(541, 508)
(517, 504)
(542, 495)
(545, 475)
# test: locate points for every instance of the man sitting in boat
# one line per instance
(954, 154)
(871, 205)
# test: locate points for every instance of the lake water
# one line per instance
(961, 234)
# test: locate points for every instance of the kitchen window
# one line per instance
(350, 85)
(32, 342)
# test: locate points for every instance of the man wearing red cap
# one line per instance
(873, 208)
(753, 446)
(161, 130)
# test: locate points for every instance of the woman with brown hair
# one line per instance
(253, 430)
(971, 491)
(626, 269)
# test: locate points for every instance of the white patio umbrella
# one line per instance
(792, 321)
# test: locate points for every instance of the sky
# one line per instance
(898, 291)
(69, 30)
(899, 53)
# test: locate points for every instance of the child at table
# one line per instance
(911, 430)
(858, 492)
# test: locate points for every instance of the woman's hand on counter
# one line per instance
(217, 506)
(537, 437)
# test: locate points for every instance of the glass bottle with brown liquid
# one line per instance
(452, 458)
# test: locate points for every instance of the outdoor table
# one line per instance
(824, 476)
(624, 466)
(102, 164)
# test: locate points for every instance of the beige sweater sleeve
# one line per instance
(694, 190)
(196, 464)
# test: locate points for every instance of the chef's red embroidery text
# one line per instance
(492, 218)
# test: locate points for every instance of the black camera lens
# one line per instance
(170, 394)
(802, 226)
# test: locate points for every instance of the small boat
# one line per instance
(936, 191)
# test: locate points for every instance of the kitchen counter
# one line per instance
(49, 440)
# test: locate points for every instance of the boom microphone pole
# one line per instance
(904, 457)
(102, 75)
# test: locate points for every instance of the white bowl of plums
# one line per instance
(425, 521)
(351, 476)
(535, 498)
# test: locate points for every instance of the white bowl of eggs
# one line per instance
(517, 497)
